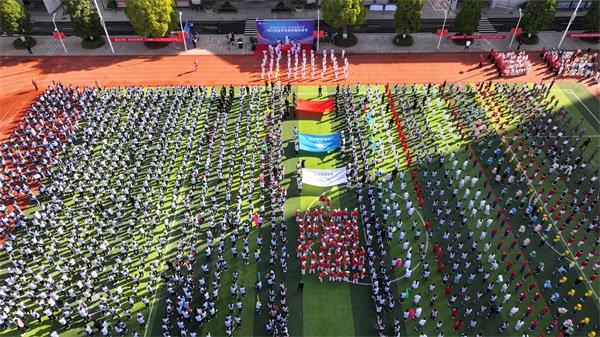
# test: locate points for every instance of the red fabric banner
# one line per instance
(58, 35)
(487, 37)
(315, 106)
(146, 39)
(179, 34)
(398, 126)
(578, 35)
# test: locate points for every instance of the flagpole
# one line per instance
(56, 30)
(518, 22)
(443, 27)
(182, 32)
(569, 24)
(104, 26)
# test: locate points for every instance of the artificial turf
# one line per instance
(338, 308)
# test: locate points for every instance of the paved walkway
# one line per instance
(382, 43)
(209, 44)
(215, 45)
(432, 9)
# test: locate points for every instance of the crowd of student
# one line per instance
(142, 190)
(255, 145)
(299, 66)
(329, 243)
(576, 63)
(476, 197)
(143, 169)
(511, 64)
(37, 142)
(270, 198)
(493, 163)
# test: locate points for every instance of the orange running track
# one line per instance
(16, 73)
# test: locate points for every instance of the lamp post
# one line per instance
(443, 27)
(104, 26)
(182, 32)
(515, 32)
(56, 30)
(569, 24)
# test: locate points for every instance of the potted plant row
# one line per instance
(280, 7)
(299, 5)
(227, 7)
(207, 5)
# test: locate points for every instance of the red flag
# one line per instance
(179, 34)
(58, 35)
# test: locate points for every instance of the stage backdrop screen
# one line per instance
(271, 31)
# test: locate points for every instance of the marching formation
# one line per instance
(300, 69)
(329, 244)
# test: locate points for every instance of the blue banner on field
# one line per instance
(272, 31)
(319, 143)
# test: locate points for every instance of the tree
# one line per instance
(85, 19)
(538, 14)
(467, 19)
(408, 16)
(591, 21)
(150, 18)
(344, 13)
(14, 18)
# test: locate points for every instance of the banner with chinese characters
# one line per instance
(146, 39)
(485, 37)
(272, 31)
(583, 35)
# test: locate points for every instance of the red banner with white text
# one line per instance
(485, 37)
(146, 39)
(579, 35)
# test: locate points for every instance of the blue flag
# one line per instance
(374, 144)
(319, 143)
(369, 119)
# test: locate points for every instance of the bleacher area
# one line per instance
(155, 210)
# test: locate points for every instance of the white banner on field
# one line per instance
(329, 177)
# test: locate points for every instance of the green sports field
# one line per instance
(341, 308)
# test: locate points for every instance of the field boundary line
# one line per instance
(585, 106)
